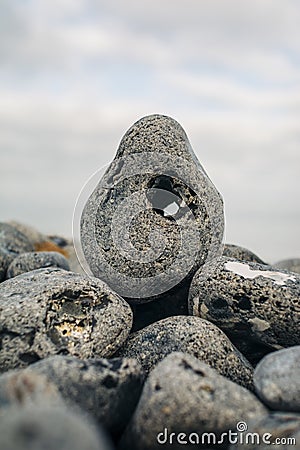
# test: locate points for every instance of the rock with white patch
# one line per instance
(248, 301)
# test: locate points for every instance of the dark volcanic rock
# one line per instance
(184, 395)
(277, 380)
(49, 428)
(12, 243)
(52, 311)
(155, 216)
(192, 335)
(241, 253)
(36, 260)
(248, 300)
(109, 389)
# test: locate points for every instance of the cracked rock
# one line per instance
(52, 311)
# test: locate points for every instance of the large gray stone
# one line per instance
(277, 379)
(155, 216)
(192, 335)
(52, 311)
(241, 253)
(248, 300)
(184, 395)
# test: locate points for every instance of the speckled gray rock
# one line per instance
(241, 253)
(291, 265)
(155, 216)
(36, 260)
(52, 311)
(192, 335)
(12, 243)
(277, 379)
(109, 389)
(264, 432)
(49, 428)
(183, 394)
(248, 300)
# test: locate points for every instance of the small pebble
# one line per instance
(36, 260)
(248, 300)
(291, 265)
(277, 379)
(155, 216)
(52, 311)
(109, 389)
(49, 428)
(12, 243)
(241, 253)
(181, 395)
(192, 335)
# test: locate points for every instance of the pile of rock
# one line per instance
(170, 344)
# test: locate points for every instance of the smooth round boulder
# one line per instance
(51, 311)
(248, 300)
(184, 395)
(29, 261)
(191, 335)
(277, 379)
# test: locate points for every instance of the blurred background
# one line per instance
(75, 74)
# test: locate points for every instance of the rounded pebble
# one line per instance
(52, 311)
(241, 253)
(49, 428)
(291, 265)
(12, 243)
(192, 335)
(280, 431)
(109, 389)
(183, 394)
(248, 300)
(277, 379)
(36, 260)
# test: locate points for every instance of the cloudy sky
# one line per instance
(75, 74)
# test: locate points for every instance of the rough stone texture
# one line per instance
(155, 216)
(241, 253)
(277, 380)
(248, 300)
(49, 428)
(12, 243)
(21, 388)
(184, 395)
(109, 389)
(281, 426)
(291, 265)
(36, 260)
(192, 335)
(52, 311)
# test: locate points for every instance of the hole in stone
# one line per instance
(219, 303)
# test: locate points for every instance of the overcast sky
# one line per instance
(75, 74)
